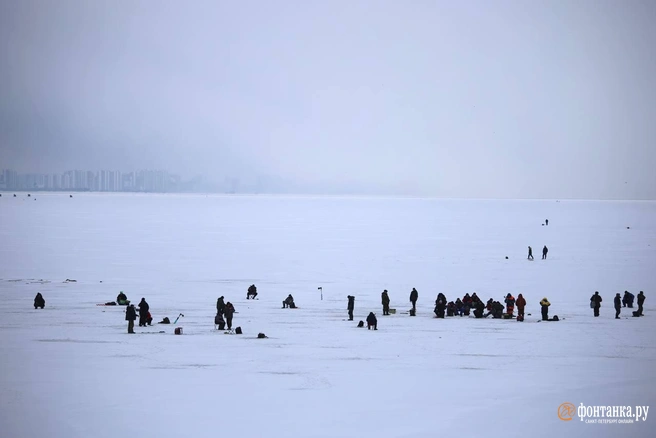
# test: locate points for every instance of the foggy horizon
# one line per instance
(503, 99)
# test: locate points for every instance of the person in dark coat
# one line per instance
(479, 308)
(220, 305)
(459, 307)
(289, 302)
(351, 306)
(413, 298)
(544, 305)
(218, 320)
(143, 312)
(122, 299)
(596, 302)
(372, 321)
(475, 299)
(546, 221)
(545, 250)
(130, 316)
(39, 301)
(385, 300)
(252, 292)
(450, 309)
(618, 305)
(521, 303)
(440, 306)
(229, 310)
(627, 299)
(530, 253)
(641, 301)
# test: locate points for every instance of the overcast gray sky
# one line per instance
(505, 99)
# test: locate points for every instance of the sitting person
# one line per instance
(460, 307)
(479, 309)
(440, 306)
(450, 309)
(372, 321)
(218, 320)
(122, 299)
(289, 302)
(252, 292)
(39, 301)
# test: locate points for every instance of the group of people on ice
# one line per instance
(619, 302)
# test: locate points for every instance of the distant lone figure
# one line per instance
(530, 253)
(289, 302)
(130, 316)
(595, 301)
(252, 292)
(372, 321)
(385, 299)
(641, 301)
(351, 306)
(39, 301)
(546, 221)
(545, 308)
(413, 299)
(618, 305)
(545, 250)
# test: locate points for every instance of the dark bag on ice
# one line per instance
(261, 336)
(166, 320)
(555, 318)
(361, 324)
(635, 313)
(238, 331)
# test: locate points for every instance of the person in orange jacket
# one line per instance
(510, 304)
(521, 303)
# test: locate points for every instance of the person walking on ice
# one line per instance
(545, 250)
(530, 253)
(413, 299)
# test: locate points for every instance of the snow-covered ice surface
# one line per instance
(71, 370)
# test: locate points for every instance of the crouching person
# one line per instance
(219, 321)
(289, 302)
(372, 321)
(39, 301)
(480, 308)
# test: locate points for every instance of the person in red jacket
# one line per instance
(510, 304)
(521, 303)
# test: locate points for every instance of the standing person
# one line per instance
(530, 253)
(220, 305)
(385, 299)
(545, 308)
(510, 304)
(39, 301)
(143, 312)
(372, 321)
(130, 316)
(641, 301)
(229, 311)
(521, 303)
(546, 221)
(351, 306)
(545, 250)
(618, 305)
(596, 302)
(413, 299)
